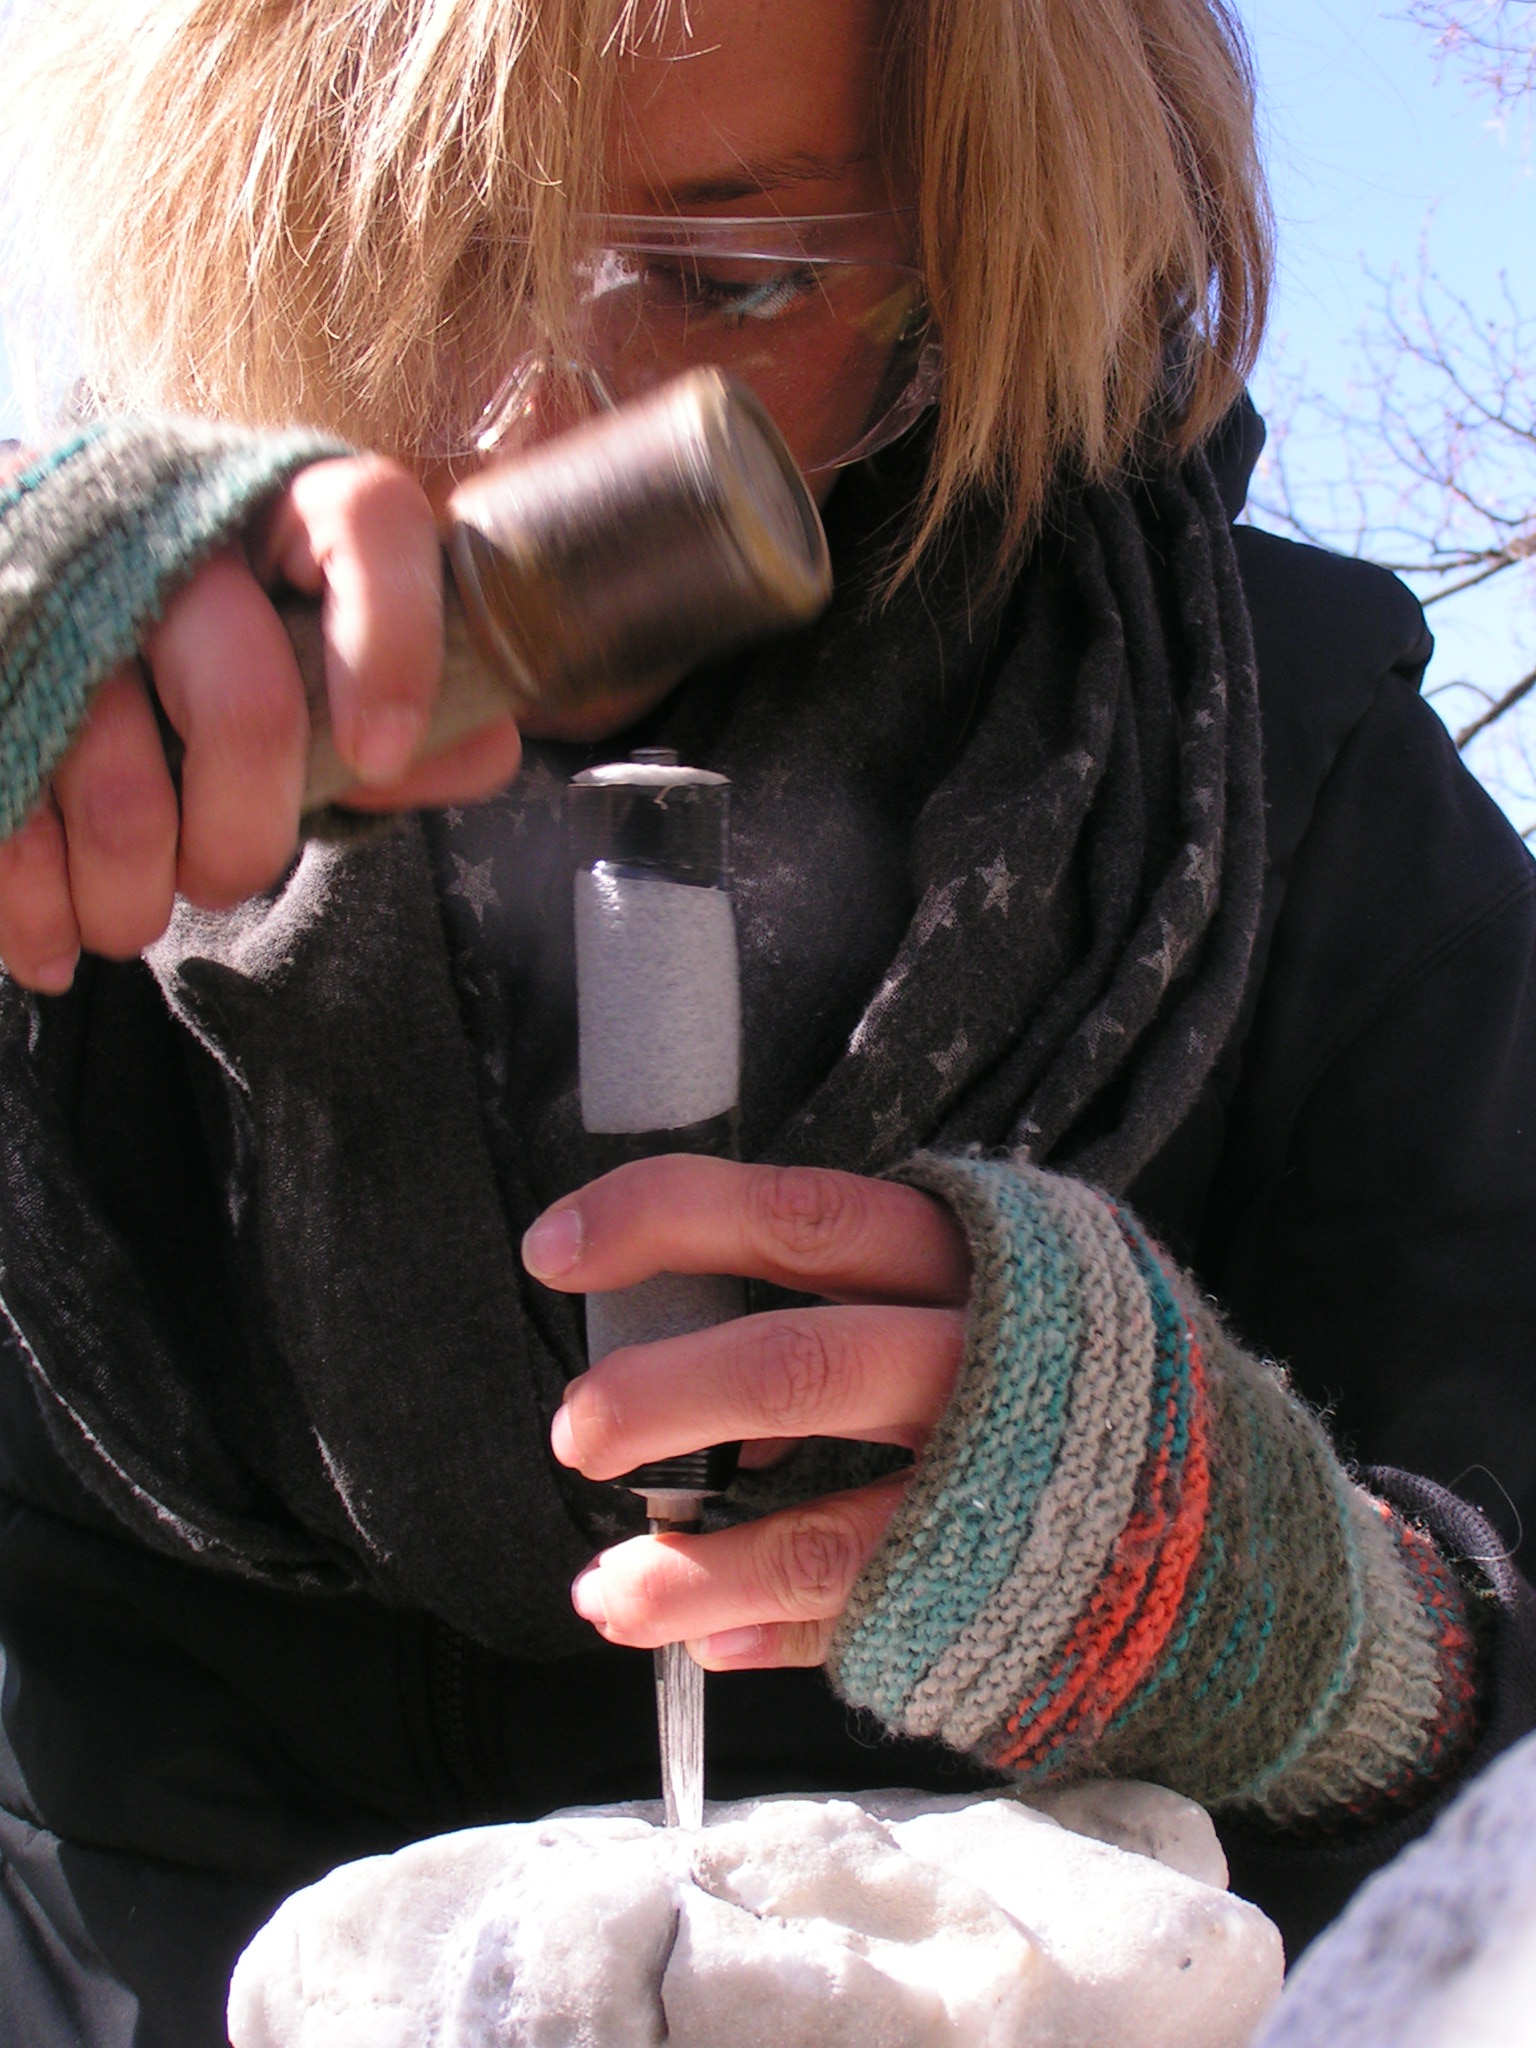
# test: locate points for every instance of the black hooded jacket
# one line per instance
(181, 1745)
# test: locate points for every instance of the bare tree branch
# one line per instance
(1427, 465)
(1496, 710)
(1493, 42)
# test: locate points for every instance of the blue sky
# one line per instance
(1369, 148)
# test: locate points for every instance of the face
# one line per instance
(750, 108)
(756, 107)
(743, 113)
(767, 107)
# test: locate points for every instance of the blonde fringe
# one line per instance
(304, 209)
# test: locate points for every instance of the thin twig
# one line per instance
(1490, 569)
(1496, 710)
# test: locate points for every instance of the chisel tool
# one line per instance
(659, 1005)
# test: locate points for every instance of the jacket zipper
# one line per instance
(450, 1714)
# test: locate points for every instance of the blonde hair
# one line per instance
(297, 209)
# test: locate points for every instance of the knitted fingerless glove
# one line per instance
(1129, 1548)
(95, 538)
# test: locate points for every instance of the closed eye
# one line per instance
(732, 300)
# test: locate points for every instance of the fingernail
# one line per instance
(54, 976)
(384, 741)
(587, 1597)
(734, 1642)
(553, 1244)
(562, 1438)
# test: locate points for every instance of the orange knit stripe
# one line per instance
(1042, 1717)
(1123, 1630)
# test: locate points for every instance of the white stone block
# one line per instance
(896, 1920)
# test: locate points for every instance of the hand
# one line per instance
(100, 860)
(879, 1367)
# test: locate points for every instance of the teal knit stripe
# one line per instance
(1002, 1656)
(1176, 1713)
(1253, 1616)
(1172, 1331)
(94, 540)
(1034, 1703)
(961, 1526)
(1307, 1665)
(1158, 1502)
(1338, 1678)
(1262, 1685)
(1170, 1669)
(1290, 1610)
(1266, 1518)
(1291, 1675)
(1251, 1632)
(43, 466)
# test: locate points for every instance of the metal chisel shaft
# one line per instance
(680, 1730)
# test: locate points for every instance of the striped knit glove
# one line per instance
(96, 536)
(1129, 1548)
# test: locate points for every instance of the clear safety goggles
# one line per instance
(823, 316)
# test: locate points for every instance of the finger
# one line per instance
(834, 1234)
(765, 1646)
(39, 938)
(228, 680)
(360, 534)
(121, 823)
(475, 767)
(791, 1570)
(879, 1375)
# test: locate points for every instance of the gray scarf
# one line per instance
(997, 876)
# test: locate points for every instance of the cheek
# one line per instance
(820, 392)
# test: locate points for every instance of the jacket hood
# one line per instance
(1233, 452)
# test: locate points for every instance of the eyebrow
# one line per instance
(760, 175)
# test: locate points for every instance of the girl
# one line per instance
(1120, 937)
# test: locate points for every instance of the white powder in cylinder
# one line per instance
(659, 999)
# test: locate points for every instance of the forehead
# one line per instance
(733, 99)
